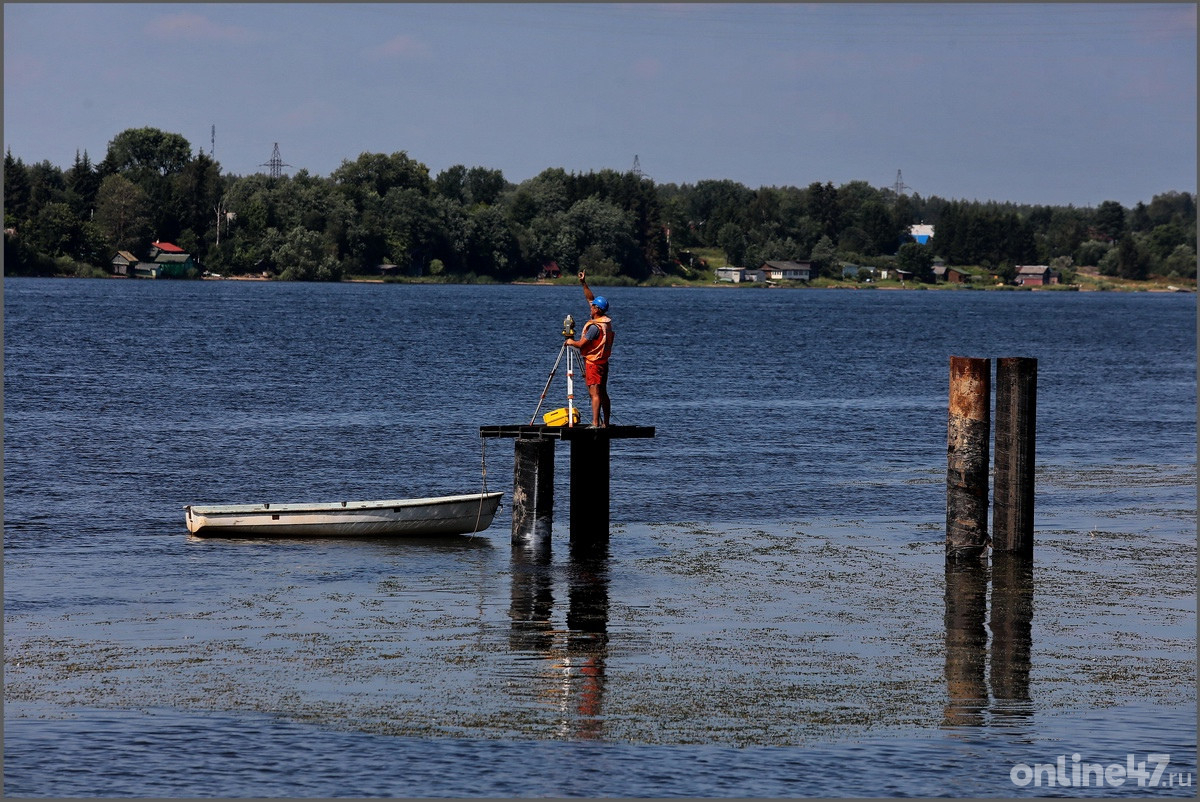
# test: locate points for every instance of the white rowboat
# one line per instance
(416, 517)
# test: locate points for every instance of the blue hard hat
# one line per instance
(601, 303)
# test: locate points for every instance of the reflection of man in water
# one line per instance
(580, 659)
(587, 643)
(595, 345)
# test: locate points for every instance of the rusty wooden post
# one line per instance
(1016, 414)
(533, 489)
(969, 431)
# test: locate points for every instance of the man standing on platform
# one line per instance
(595, 345)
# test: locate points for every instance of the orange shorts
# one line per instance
(594, 374)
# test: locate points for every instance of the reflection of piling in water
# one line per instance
(588, 593)
(968, 432)
(967, 650)
(572, 673)
(1012, 626)
(532, 596)
(587, 644)
(966, 642)
(1016, 416)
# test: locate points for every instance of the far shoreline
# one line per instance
(1105, 284)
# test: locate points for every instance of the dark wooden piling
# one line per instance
(1016, 425)
(533, 477)
(533, 489)
(968, 433)
(589, 490)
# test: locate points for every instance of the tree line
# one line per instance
(471, 224)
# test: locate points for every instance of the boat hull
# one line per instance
(422, 517)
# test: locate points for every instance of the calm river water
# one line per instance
(772, 617)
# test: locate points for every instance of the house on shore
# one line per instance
(123, 263)
(896, 273)
(950, 275)
(166, 260)
(740, 275)
(786, 271)
(1036, 275)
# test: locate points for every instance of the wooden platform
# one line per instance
(543, 432)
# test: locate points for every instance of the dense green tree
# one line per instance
(774, 250)
(853, 197)
(854, 240)
(56, 231)
(1162, 240)
(410, 223)
(825, 208)
(1172, 207)
(1065, 266)
(492, 246)
(477, 185)
(712, 204)
(1181, 262)
(146, 150)
(17, 193)
(732, 240)
(451, 183)
(303, 256)
(151, 159)
(822, 258)
(123, 214)
(46, 185)
(195, 190)
(1139, 217)
(764, 217)
(1132, 260)
(917, 259)
(485, 186)
(375, 174)
(1091, 252)
(1110, 220)
(594, 223)
(1127, 260)
(544, 195)
(83, 182)
(1060, 232)
(22, 259)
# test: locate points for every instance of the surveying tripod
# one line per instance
(568, 332)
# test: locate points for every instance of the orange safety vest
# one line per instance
(596, 351)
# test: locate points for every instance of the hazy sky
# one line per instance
(1055, 103)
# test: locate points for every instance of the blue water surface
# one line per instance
(772, 619)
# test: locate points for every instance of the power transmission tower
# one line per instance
(276, 163)
(637, 168)
(899, 186)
